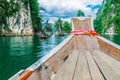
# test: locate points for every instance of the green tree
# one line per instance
(98, 25)
(108, 16)
(7, 9)
(117, 23)
(80, 13)
(47, 27)
(66, 27)
(36, 19)
(58, 25)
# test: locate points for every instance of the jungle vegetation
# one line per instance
(10, 7)
(108, 16)
(63, 26)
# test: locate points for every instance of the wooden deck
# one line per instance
(79, 57)
(89, 65)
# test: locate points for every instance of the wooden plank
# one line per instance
(95, 73)
(67, 69)
(86, 42)
(111, 61)
(105, 68)
(82, 71)
(82, 23)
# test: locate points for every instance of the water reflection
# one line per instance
(18, 53)
(113, 38)
(20, 46)
(45, 47)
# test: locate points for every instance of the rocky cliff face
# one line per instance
(20, 22)
(108, 18)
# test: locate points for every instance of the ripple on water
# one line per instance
(18, 53)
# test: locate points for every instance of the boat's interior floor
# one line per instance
(88, 65)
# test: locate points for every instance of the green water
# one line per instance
(18, 53)
(113, 38)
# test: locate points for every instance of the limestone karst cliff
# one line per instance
(108, 18)
(15, 17)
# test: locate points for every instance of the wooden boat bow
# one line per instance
(78, 57)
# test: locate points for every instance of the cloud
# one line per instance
(69, 8)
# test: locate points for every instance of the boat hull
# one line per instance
(45, 68)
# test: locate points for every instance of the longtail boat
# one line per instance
(81, 56)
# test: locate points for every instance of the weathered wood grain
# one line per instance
(82, 70)
(94, 70)
(66, 71)
(114, 64)
(109, 49)
(105, 68)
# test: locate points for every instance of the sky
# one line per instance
(65, 9)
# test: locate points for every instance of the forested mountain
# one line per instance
(19, 17)
(108, 18)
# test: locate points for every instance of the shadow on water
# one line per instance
(18, 53)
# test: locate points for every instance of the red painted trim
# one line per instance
(25, 75)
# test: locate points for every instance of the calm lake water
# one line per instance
(113, 38)
(18, 53)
